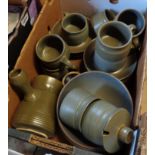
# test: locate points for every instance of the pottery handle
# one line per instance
(69, 76)
(68, 64)
(19, 79)
(135, 40)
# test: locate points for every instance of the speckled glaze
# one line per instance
(36, 113)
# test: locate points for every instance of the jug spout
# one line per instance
(18, 78)
(126, 135)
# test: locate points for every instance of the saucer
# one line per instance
(122, 74)
(78, 49)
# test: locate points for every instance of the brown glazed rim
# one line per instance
(69, 15)
(51, 35)
(111, 23)
(64, 128)
(137, 12)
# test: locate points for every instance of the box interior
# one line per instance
(53, 10)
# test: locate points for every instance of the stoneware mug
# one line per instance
(112, 46)
(134, 19)
(101, 18)
(111, 124)
(52, 52)
(74, 28)
(36, 113)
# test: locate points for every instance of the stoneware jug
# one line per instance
(53, 53)
(112, 101)
(101, 18)
(134, 19)
(36, 113)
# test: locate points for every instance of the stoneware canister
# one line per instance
(74, 28)
(36, 113)
(101, 18)
(52, 52)
(134, 19)
(112, 46)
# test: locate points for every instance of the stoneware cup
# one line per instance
(101, 18)
(75, 28)
(52, 52)
(112, 46)
(73, 107)
(36, 113)
(135, 20)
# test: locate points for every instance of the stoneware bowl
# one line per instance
(101, 85)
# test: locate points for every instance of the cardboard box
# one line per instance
(50, 13)
(24, 26)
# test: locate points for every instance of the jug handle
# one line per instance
(69, 76)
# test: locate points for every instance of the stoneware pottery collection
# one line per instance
(94, 109)
(36, 113)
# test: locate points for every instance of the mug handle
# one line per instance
(135, 41)
(68, 63)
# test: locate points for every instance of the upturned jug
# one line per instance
(36, 112)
